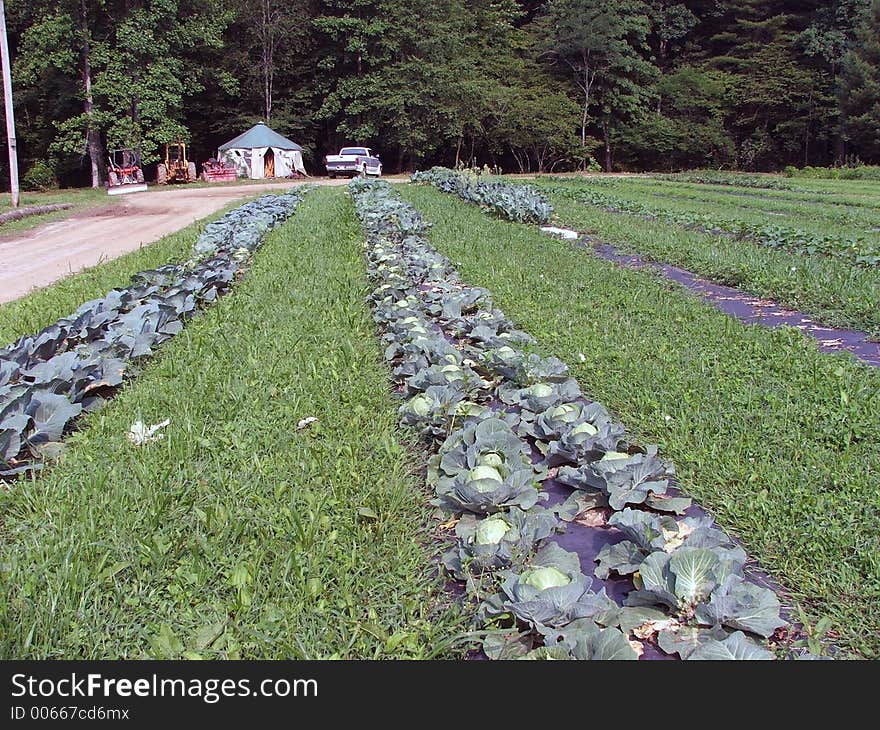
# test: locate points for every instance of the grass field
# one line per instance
(756, 206)
(859, 193)
(242, 535)
(852, 209)
(238, 534)
(832, 290)
(776, 439)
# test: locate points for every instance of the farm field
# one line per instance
(238, 535)
(811, 214)
(285, 511)
(776, 439)
(733, 239)
(456, 332)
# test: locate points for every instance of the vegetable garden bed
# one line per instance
(744, 308)
(778, 440)
(241, 534)
(860, 250)
(831, 291)
(507, 422)
(72, 366)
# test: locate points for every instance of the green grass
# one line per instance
(42, 307)
(830, 290)
(823, 216)
(238, 535)
(815, 218)
(777, 440)
(846, 192)
(856, 172)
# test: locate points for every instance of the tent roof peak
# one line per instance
(260, 135)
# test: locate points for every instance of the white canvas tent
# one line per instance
(262, 152)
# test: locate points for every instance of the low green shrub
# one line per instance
(40, 177)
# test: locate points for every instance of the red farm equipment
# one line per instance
(125, 173)
(219, 170)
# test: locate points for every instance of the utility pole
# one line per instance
(10, 116)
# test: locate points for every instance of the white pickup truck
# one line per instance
(353, 161)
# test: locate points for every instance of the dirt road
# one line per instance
(39, 256)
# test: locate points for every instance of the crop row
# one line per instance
(73, 365)
(857, 250)
(731, 201)
(519, 203)
(710, 177)
(508, 428)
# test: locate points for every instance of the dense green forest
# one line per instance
(528, 86)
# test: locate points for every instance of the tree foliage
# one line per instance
(523, 85)
(859, 87)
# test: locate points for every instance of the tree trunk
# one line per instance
(519, 162)
(458, 151)
(607, 147)
(586, 85)
(661, 64)
(584, 118)
(93, 140)
(839, 148)
(267, 40)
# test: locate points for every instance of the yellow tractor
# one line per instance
(176, 168)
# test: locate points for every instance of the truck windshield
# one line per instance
(353, 151)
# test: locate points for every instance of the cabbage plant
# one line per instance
(561, 419)
(584, 640)
(736, 647)
(498, 540)
(459, 376)
(541, 396)
(485, 489)
(705, 585)
(627, 480)
(490, 441)
(550, 590)
(436, 409)
(523, 369)
(648, 532)
(586, 442)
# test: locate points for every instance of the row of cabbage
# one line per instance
(72, 366)
(520, 203)
(860, 250)
(505, 424)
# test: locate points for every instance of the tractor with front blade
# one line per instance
(125, 173)
(176, 168)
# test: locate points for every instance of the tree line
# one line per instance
(525, 86)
